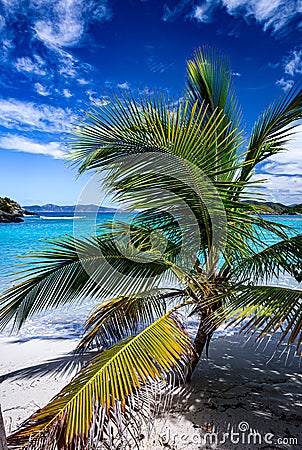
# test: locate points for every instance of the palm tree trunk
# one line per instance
(200, 341)
(3, 442)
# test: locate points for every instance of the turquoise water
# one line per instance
(17, 239)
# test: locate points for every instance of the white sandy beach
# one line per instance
(237, 389)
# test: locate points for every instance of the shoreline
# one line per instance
(240, 383)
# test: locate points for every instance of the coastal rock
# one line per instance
(11, 211)
(10, 218)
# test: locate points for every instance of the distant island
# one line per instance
(11, 211)
(279, 208)
(269, 208)
(70, 209)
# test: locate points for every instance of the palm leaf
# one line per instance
(265, 310)
(107, 388)
(284, 256)
(70, 270)
(125, 127)
(209, 82)
(121, 317)
(273, 129)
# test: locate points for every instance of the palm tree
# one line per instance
(195, 244)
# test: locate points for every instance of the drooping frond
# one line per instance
(69, 270)
(265, 310)
(121, 317)
(273, 129)
(284, 256)
(90, 410)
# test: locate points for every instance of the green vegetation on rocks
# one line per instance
(11, 211)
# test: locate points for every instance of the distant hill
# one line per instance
(273, 208)
(50, 208)
(11, 211)
(279, 208)
(296, 209)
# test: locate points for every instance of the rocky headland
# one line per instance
(11, 211)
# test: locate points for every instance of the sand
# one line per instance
(243, 397)
(27, 381)
(241, 389)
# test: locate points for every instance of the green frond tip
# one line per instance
(108, 389)
(284, 256)
(274, 128)
(265, 310)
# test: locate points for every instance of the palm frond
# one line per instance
(91, 408)
(70, 270)
(121, 317)
(209, 82)
(125, 127)
(265, 310)
(273, 129)
(284, 256)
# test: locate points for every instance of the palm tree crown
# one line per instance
(195, 244)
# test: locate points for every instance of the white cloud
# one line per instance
(101, 101)
(285, 84)
(82, 81)
(58, 23)
(171, 14)
(236, 74)
(42, 90)
(23, 144)
(2, 22)
(293, 64)
(55, 23)
(124, 85)
(66, 64)
(60, 34)
(203, 12)
(290, 161)
(282, 188)
(19, 115)
(272, 14)
(27, 65)
(67, 93)
(10, 5)
(63, 23)
(7, 46)
(91, 95)
(283, 172)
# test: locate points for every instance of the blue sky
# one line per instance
(57, 56)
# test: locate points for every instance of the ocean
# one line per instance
(19, 238)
